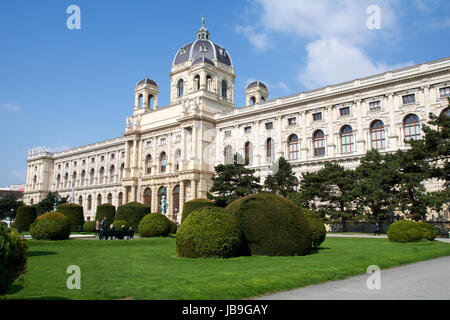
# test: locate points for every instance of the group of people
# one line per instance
(103, 227)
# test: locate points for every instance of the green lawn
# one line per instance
(150, 268)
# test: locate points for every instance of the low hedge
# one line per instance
(132, 212)
(13, 257)
(317, 225)
(119, 223)
(51, 226)
(154, 225)
(24, 218)
(209, 232)
(271, 225)
(73, 212)
(89, 226)
(105, 210)
(409, 231)
(195, 204)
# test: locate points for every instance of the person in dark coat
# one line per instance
(103, 228)
(112, 229)
(131, 231)
(377, 229)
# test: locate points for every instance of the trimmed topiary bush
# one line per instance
(405, 231)
(51, 226)
(73, 212)
(13, 257)
(89, 226)
(24, 218)
(173, 227)
(105, 210)
(317, 225)
(195, 204)
(271, 225)
(154, 225)
(428, 231)
(209, 232)
(119, 223)
(132, 212)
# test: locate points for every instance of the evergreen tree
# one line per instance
(331, 190)
(47, 204)
(231, 182)
(283, 181)
(7, 203)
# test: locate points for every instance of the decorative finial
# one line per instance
(203, 21)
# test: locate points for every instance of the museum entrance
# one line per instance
(148, 198)
(176, 201)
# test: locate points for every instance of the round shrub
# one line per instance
(173, 227)
(119, 223)
(13, 257)
(195, 204)
(428, 231)
(132, 212)
(405, 231)
(51, 226)
(317, 225)
(105, 210)
(73, 212)
(209, 232)
(24, 218)
(271, 225)
(89, 226)
(154, 225)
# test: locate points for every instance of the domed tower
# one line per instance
(256, 92)
(202, 68)
(145, 96)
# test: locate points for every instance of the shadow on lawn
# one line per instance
(40, 253)
(316, 250)
(14, 288)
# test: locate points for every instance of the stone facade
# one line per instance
(177, 146)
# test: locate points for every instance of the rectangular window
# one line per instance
(269, 125)
(344, 111)
(375, 106)
(408, 99)
(248, 130)
(149, 144)
(228, 133)
(445, 92)
(292, 121)
(317, 116)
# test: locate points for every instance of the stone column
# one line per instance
(170, 165)
(304, 146)
(194, 142)
(280, 151)
(360, 144)
(331, 145)
(258, 149)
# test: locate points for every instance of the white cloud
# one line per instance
(331, 61)
(11, 107)
(258, 40)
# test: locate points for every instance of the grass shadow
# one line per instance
(14, 288)
(40, 253)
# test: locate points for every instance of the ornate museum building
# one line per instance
(177, 146)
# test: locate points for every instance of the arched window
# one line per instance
(161, 193)
(446, 112)
(270, 150)
(112, 173)
(122, 168)
(293, 147)
(99, 199)
(347, 141)
(109, 198)
(82, 177)
(120, 198)
(228, 153)
(35, 182)
(197, 82)
(378, 135)
(150, 101)
(319, 143)
(224, 89)
(176, 201)
(263, 100)
(163, 162)
(180, 88)
(66, 180)
(252, 100)
(58, 181)
(91, 177)
(80, 200)
(148, 164)
(248, 152)
(177, 159)
(89, 202)
(74, 179)
(148, 197)
(140, 101)
(209, 83)
(102, 175)
(411, 127)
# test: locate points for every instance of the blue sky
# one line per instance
(64, 88)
